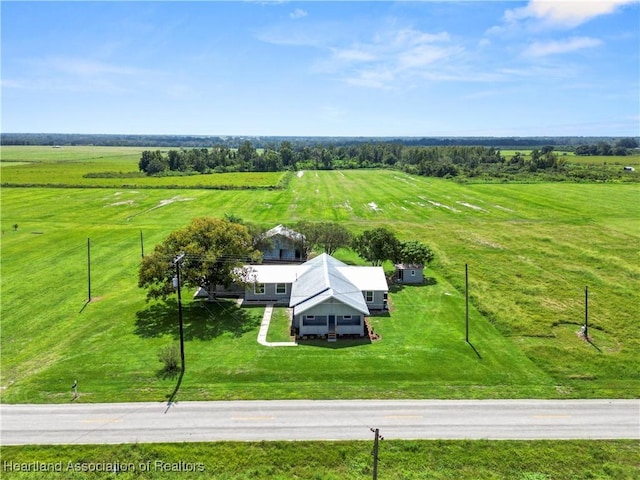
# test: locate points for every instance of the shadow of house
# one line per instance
(201, 320)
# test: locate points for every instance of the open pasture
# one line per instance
(115, 167)
(69, 154)
(610, 160)
(531, 250)
(570, 157)
(350, 460)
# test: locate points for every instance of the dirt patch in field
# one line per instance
(346, 205)
(472, 206)
(504, 209)
(440, 205)
(164, 203)
(487, 243)
(124, 202)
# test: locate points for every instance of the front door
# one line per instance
(332, 323)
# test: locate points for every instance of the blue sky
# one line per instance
(322, 68)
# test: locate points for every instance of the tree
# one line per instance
(215, 250)
(286, 154)
(627, 143)
(413, 251)
(246, 154)
(145, 159)
(604, 148)
(152, 162)
(329, 236)
(333, 237)
(376, 245)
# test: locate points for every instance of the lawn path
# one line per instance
(264, 328)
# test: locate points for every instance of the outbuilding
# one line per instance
(287, 245)
(412, 273)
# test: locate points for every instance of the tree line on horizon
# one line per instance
(442, 161)
(234, 141)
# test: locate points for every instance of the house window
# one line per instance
(349, 320)
(314, 321)
(368, 296)
(281, 288)
(413, 273)
(258, 288)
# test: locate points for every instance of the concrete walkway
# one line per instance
(264, 328)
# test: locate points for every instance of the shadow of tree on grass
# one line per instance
(201, 320)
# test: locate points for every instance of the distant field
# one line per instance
(631, 160)
(129, 155)
(531, 249)
(570, 157)
(67, 166)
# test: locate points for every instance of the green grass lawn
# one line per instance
(531, 249)
(280, 326)
(439, 460)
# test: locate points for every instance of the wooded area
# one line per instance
(442, 161)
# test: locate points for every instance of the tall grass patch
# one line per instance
(399, 459)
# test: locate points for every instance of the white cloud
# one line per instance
(354, 54)
(565, 13)
(298, 13)
(377, 77)
(57, 73)
(541, 49)
(422, 56)
(390, 55)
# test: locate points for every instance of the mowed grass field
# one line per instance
(531, 250)
(67, 166)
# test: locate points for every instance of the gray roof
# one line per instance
(322, 280)
(285, 232)
(409, 266)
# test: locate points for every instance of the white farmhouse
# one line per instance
(328, 297)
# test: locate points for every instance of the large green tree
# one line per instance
(412, 252)
(215, 250)
(376, 245)
(329, 236)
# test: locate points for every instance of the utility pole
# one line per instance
(586, 313)
(141, 244)
(89, 268)
(466, 301)
(375, 451)
(176, 262)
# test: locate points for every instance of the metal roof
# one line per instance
(285, 232)
(324, 279)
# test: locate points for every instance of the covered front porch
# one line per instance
(330, 326)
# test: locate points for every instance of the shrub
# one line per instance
(170, 357)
